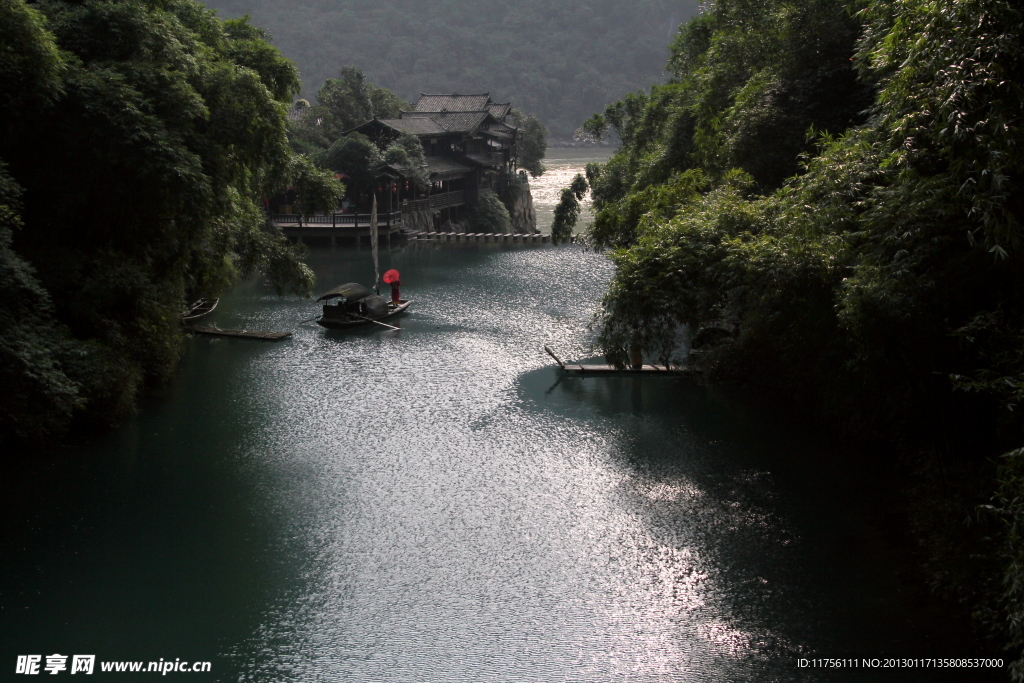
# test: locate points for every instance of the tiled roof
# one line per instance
(453, 102)
(445, 122)
(416, 126)
(460, 121)
(499, 127)
(499, 111)
(439, 166)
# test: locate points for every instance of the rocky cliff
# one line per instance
(520, 205)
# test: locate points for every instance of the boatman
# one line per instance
(392, 278)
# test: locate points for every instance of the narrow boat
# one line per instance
(199, 309)
(353, 305)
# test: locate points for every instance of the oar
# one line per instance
(371, 320)
(309, 320)
(552, 354)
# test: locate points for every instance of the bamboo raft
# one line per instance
(605, 369)
(242, 334)
(611, 369)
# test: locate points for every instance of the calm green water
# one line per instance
(435, 504)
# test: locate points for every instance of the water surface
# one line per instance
(562, 164)
(437, 504)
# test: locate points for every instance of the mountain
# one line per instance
(560, 61)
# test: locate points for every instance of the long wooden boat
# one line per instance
(606, 369)
(353, 305)
(199, 309)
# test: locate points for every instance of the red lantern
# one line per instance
(406, 185)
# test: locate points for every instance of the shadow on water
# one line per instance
(801, 539)
(145, 544)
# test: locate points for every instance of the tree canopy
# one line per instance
(140, 138)
(532, 144)
(823, 195)
(350, 100)
(568, 210)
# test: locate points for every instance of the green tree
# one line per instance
(878, 288)
(359, 161)
(316, 188)
(30, 63)
(39, 399)
(489, 214)
(532, 143)
(351, 100)
(406, 153)
(568, 210)
(169, 128)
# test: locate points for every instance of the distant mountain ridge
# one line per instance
(561, 62)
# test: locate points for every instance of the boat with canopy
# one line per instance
(353, 305)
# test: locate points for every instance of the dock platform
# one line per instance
(578, 369)
(605, 369)
(243, 334)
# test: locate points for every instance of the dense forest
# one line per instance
(826, 195)
(138, 141)
(559, 61)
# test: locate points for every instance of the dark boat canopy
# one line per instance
(376, 306)
(352, 291)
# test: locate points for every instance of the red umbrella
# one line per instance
(391, 276)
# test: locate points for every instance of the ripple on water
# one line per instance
(460, 527)
(436, 504)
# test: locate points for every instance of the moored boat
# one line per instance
(353, 305)
(199, 309)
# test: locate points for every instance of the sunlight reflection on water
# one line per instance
(463, 523)
(562, 166)
(437, 504)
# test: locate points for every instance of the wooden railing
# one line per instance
(357, 220)
(337, 220)
(439, 201)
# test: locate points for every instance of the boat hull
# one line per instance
(199, 309)
(344, 322)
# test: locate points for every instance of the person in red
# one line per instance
(392, 278)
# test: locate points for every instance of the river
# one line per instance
(561, 166)
(438, 504)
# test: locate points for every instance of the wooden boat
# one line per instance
(199, 309)
(353, 305)
(605, 369)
